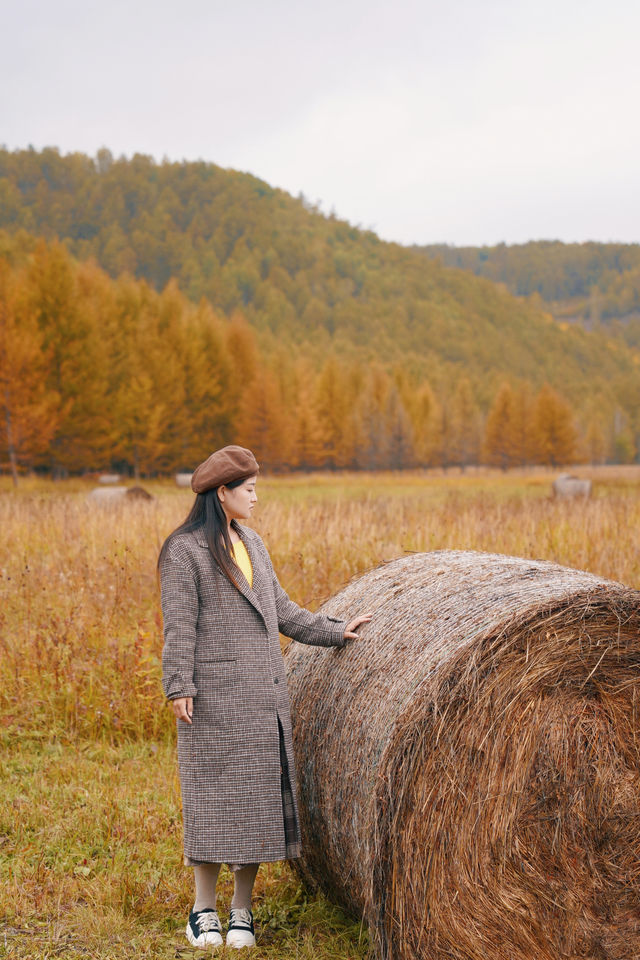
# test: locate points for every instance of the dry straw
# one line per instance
(469, 769)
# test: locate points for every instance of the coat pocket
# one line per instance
(211, 661)
(216, 670)
(220, 684)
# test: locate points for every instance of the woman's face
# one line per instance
(238, 502)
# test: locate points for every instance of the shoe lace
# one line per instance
(240, 917)
(208, 920)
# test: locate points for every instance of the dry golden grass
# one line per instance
(88, 762)
(80, 625)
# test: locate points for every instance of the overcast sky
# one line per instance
(458, 121)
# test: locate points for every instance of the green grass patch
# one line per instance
(91, 863)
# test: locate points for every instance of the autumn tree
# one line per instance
(208, 373)
(508, 435)
(624, 445)
(464, 426)
(399, 438)
(335, 413)
(307, 440)
(138, 407)
(372, 433)
(77, 376)
(261, 421)
(596, 441)
(498, 435)
(553, 428)
(27, 412)
(426, 420)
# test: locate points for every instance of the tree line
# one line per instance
(97, 373)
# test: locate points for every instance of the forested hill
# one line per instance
(592, 282)
(349, 337)
(293, 272)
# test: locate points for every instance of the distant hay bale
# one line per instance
(138, 493)
(106, 495)
(566, 486)
(110, 496)
(183, 479)
(109, 478)
(469, 770)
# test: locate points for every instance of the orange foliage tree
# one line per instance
(28, 412)
(554, 433)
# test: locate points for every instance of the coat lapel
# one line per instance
(250, 593)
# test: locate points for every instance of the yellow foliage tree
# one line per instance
(499, 429)
(27, 412)
(77, 376)
(509, 439)
(335, 397)
(464, 427)
(554, 432)
(372, 431)
(596, 441)
(261, 422)
(426, 417)
(207, 371)
(399, 434)
(307, 452)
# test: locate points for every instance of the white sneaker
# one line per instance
(240, 932)
(203, 929)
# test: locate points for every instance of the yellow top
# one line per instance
(243, 560)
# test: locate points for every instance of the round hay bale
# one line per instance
(138, 493)
(566, 486)
(469, 770)
(113, 496)
(107, 495)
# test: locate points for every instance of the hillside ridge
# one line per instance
(298, 276)
(335, 331)
(591, 283)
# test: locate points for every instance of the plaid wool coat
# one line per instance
(222, 647)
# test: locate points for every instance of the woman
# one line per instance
(223, 672)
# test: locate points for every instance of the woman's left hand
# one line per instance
(352, 626)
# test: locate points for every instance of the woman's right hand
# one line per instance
(183, 708)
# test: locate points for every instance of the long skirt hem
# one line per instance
(289, 821)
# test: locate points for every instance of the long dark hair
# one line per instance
(207, 514)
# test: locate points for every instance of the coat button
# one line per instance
(276, 680)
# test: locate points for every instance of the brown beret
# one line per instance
(223, 466)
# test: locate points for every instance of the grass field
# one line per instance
(90, 857)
